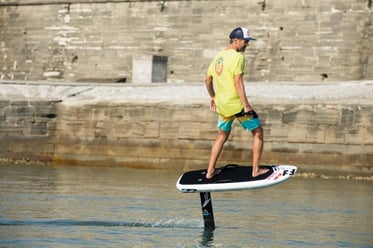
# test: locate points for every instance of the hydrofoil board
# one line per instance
(234, 177)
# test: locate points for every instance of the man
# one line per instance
(224, 83)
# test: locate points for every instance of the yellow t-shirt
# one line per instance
(222, 69)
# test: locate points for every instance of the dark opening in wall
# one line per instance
(324, 76)
(264, 4)
(74, 59)
(163, 5)
(121, 80)
(50, 116)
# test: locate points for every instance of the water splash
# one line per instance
(167, 223)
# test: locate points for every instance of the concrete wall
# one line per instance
(330, 137)
(96, 40)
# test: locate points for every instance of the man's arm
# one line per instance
(209, 86)
(240, 88)
(211, 91)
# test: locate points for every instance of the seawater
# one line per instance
(44, 206)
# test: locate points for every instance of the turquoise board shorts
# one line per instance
(247, 122)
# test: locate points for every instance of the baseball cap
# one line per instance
(241, 34)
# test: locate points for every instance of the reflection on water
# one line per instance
(119, 207)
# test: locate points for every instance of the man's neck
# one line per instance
(232, 46)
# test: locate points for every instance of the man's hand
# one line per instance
(212, 105)
(252, 113)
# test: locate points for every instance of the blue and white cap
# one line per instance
(241, 34)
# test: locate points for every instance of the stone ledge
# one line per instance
(98, 127)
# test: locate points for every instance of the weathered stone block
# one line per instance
(335, 134)
(285, 147)
(363, 116)
(347, 118)
(303, 115)
(327, 115)
(189, 130)
(168, 130)
(36, 128)
(355, 135)
(315, 134)
(297, 133)
(272, 116)
(278, 131)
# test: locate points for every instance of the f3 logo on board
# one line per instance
(288, 172)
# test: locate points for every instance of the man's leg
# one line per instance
(216, 151)
(257, 151)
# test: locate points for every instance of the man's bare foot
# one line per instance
(259, 172)
(211, 174)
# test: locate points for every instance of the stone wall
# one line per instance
(329, 138)
(28, 129)
(96, 40)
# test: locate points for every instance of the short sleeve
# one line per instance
(240, 65)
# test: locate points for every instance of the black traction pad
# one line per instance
(231, 173)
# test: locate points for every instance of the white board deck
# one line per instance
(234, 177)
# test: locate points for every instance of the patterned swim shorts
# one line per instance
(247, 121)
